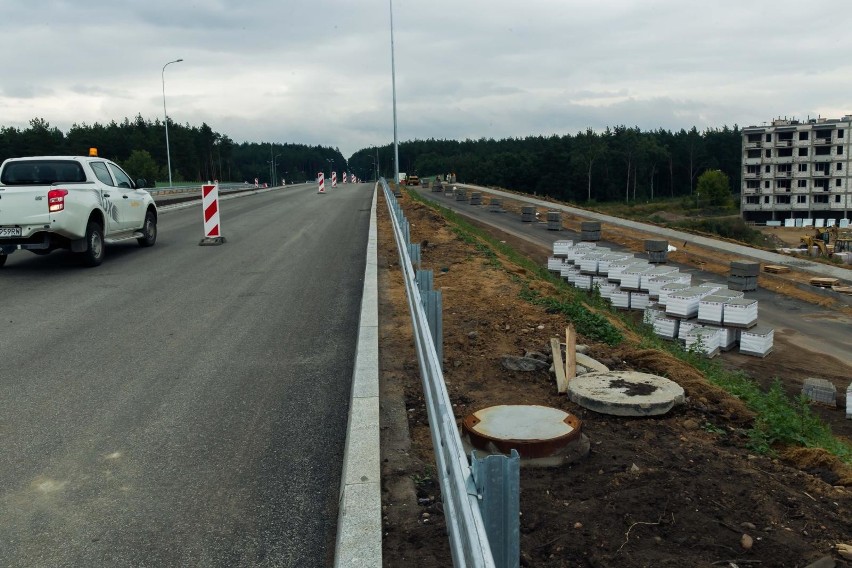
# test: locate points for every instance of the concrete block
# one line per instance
(820, 390)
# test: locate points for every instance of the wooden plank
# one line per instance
(776, 269)
(824, 282)
(570, 353)
(561, 381)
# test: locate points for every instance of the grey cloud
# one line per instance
(319, 71)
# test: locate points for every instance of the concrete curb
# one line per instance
(359, 521)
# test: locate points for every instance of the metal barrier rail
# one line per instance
(467, 531)
(223, 187)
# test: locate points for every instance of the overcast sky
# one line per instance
(319, 71)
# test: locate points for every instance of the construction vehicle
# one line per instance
(828, 241)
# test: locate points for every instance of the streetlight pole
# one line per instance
(393, 84)
(275, 170)
(166, 116)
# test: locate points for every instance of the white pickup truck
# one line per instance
(72, 202)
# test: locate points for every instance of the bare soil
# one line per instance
(679, 490)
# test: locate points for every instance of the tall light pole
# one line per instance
(275, 170)
(393, 84)
(166, 116)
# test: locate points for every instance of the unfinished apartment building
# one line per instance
(798, 170)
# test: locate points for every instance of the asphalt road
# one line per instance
(184, 405)
(817, 329)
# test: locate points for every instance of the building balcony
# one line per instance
(783, 143)
(822, 141)
(751, 175)
(753, 145)
(752, 161)
(783, 174)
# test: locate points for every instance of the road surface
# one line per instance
(184, 405)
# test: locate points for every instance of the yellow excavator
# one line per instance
(828, 241)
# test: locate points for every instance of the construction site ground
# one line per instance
(679, 490)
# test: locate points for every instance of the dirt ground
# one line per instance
(678, 490)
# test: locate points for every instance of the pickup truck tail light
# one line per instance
(56, 200)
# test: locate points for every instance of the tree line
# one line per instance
(197, 153)
(621, 163)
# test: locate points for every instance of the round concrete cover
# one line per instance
(534, 431)
(625, 393)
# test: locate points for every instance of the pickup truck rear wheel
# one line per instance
(94, 253)
(149, 230)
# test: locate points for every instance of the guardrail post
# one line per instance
(433, 306)
(414, 253)
(498, 481)
(425, 280)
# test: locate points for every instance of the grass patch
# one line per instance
(726, 227)
(781, 420)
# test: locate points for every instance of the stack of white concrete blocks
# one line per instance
(707, 317)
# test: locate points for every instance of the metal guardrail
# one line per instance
(223, 187)
(469, 540)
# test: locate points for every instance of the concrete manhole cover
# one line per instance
(625, 393)
(534, 431)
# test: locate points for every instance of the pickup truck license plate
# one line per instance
(10, 231)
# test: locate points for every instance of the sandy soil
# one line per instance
(695, 489)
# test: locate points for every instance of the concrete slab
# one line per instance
(591, 364)
(625, 393)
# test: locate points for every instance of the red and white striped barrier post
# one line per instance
(333, 179)
(344, 177)
(321, 182)
(210, 210)
(256, 182)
